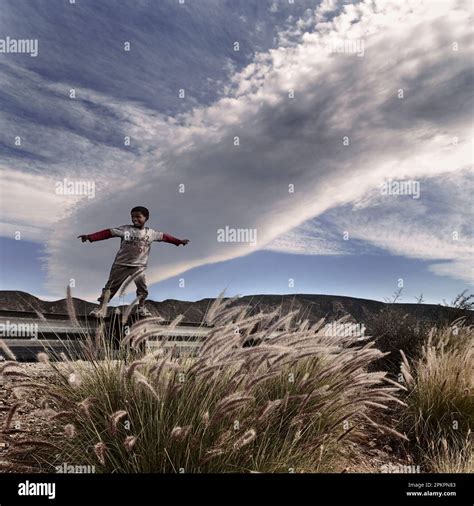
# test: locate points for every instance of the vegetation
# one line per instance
(298, 399)
(439, 409)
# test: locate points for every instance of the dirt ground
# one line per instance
(30, 422)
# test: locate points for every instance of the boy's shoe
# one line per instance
(143, 311)
(98, 312)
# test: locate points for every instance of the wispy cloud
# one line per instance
(283, 141)
(436, 227)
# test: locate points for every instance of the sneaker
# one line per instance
(143, 311)
(98, 312)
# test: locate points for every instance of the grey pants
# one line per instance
(123, 275)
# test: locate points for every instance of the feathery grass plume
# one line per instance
(70, 430)
(63, 398)
(175, 322)
(11, 413)
(218, 307)
(85, 405)
(180, 433)
(6, 365)
(396, 384)
(138, 326)
(394, 432)
(281, 323)
(405, 369)
(139, 333)
(247, 438)
(71, 311)
(129, 443)
(132, 368)
(231, 316)
(21, 374)
(270, 407)
(100, 451)
(214, 340)
(115, 419)
(210, 454)
(7, 350)
(229, 408)
(35, 384)
(140, 379)
(232, 400)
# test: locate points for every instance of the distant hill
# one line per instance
(313, 307)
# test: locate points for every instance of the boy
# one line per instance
(132, 257)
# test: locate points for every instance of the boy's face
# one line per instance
(138, 219)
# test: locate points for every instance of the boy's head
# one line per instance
(139, 216)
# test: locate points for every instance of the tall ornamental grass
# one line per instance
(439, 412)
(297, 400)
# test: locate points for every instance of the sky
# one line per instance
(339, 133)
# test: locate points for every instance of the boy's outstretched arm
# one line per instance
(173, 240)
(97, 236)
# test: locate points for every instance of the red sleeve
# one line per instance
(100, 236)
(171, 239)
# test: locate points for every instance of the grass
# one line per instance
(298, 400)
(439, 409)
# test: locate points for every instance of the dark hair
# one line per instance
(140, 209)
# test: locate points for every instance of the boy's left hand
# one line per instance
(184, 242)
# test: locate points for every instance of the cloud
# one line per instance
(436, 226)
(30, 207)
(283, 141)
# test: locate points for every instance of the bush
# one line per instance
(395, 330)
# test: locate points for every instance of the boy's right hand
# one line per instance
(84, 238)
